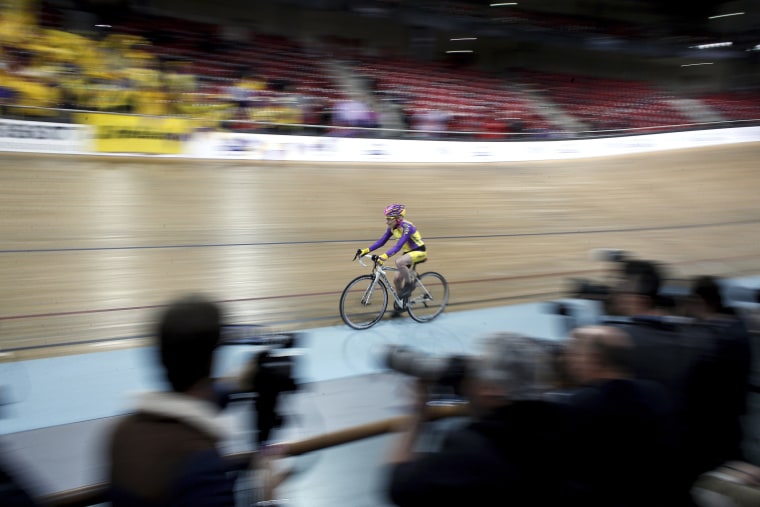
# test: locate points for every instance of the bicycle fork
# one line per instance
(370, 290)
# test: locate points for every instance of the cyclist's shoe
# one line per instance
(397, 311)
(406, 291)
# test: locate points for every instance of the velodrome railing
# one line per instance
(95, 494)
(38, 114)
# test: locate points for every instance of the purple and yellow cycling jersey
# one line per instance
(408, 236)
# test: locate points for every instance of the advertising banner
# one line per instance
(116, 133)
(43, 137)
(227, 145)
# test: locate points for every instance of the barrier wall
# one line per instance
(124, 135)
(43, 137)
(222, 145)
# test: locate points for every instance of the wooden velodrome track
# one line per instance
(93, 246)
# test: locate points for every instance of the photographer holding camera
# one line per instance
(621, 442)
(686, 357)
(506, 451)
(166, 451)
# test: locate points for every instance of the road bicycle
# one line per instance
(365, 299)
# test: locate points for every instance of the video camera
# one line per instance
(268, 373)
(528, 364)
(446, 374)
(629, 275)
(598, 291)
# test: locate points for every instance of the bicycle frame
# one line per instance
(378, 271)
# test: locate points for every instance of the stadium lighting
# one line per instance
(503, 4)
(102, 26)
(465, 38)
(726, 15)
(460, 51)
(695, 64)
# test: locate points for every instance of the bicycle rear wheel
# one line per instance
(429, 298)
(363, 302)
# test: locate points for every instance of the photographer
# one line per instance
(505, 453)
(730, 374)
(166, 451)
(683, 355)
(621, 440)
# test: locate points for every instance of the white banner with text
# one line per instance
(225, 145)
(44, 137)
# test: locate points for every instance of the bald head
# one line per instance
(598, 352)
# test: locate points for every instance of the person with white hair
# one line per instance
(505, 452)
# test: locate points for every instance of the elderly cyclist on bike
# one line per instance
(409, 239)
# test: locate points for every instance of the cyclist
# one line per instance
(409, 239)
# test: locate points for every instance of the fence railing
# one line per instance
(94, 494)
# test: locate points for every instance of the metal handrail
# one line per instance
(97, 493)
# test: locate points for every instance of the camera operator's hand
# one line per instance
(412, 426)
(421, 393)
(268, 473)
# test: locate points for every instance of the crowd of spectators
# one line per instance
(154, 65)
(646, 407)
(47, 71)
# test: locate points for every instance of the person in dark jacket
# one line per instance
(15, 487)
(683, 355)
(505, 454)
(165, 453)
(727, 376)
(621, 433)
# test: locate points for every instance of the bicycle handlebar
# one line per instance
(371, 256)
(374, 259)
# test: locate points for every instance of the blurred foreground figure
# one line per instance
(621, 437)
(736, 481)
(165, 454)
(733, 484)
(729, 376)
(702, 363)
(14, 492)
(506, 454)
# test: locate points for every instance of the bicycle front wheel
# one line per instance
(363, 302)
(429, 298)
